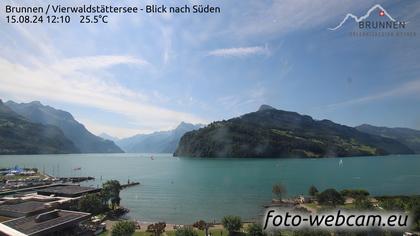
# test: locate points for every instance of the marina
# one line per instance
(179, 190)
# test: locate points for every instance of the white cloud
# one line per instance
(95, 63)
(75, 81)
(240, 51)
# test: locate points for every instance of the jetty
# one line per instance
(129, 184)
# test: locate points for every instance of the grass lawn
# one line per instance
(312, 205)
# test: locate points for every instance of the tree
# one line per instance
(157, 229)
(123, 228)
(91, 203)
(202, 225)
(313, 191)
(186, 231)
(232, 223)
(111, 192)
(279, 190)
(415, 211)
(354, 193)
(363, 203)
(310, 232)
(255, 230)
(330, 197)
(392, 204)
(115, 202)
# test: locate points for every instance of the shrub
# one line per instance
(123, 228)
(354, 193)
(330, 197)
(232, 223)
(157, 228)
(186, 231)
(91, 203)
(313, 191)
(279, 190)
(201, 225)
(363, 203)
(255, 230)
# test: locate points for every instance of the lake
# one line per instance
(183, 190)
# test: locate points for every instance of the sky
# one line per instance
(148, 72)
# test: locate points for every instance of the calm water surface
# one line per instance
(182, 190)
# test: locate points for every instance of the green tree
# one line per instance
(111, 192)
(255, 230)
(157, 229)
(186, 231)
(91, 203)
(415, 212)
(330, 197)
(279, 190)
(313, 191)
(309, 232)
(232, 223)
(392, 204)
(123, 228)
(354, 193)
(363, 203)
(202, 225)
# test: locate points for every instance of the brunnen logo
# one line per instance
(386, 26)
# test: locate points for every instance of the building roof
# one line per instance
(22, 208)
(67, 191)
(44, 223)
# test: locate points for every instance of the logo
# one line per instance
(385, 25)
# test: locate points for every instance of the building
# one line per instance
(70, 191)
(16, 209)
(55, 222)
(38, 213)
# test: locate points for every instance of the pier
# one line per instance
(129, 184)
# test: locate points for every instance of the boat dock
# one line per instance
(129, 184)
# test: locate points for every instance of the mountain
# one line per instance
(19, 136)
(269, 132)
(85, 141)
(408, 137)
(108, 137)
(158, 142)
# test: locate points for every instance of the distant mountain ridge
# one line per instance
(269, 132)
(85, 141)
(108, 137)
(408, 137)
(20, 136)
(157, 142)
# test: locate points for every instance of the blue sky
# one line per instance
(142, 73)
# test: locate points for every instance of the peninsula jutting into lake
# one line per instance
(269, 132)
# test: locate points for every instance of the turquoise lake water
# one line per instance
(183, 190)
